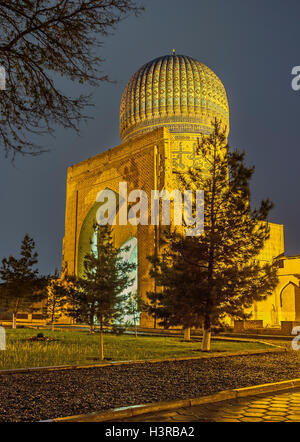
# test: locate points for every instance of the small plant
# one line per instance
(117, 329)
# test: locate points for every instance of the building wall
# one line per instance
(148, 163)
(140, 163)
(269, 310)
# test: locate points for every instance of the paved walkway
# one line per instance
(275, 407)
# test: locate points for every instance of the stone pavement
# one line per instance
(271, 407)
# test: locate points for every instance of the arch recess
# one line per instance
(86, 236)
(290, 302)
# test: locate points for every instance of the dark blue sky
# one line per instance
(252, 46)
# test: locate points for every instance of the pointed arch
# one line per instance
(131, 255)
(284, 287)
(85, 242)
(290, 302)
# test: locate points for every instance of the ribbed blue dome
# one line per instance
(175, 91)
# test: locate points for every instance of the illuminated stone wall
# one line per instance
(287, 292)
(269, 310)
(141, 163)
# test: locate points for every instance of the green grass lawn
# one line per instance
(79, 347)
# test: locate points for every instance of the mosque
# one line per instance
(166, 106)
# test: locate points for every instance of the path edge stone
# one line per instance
(136, 410)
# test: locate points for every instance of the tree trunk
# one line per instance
(206, 339)
(92, 329)
(14, 321)
(187, 334)
(101, 344)
(135, 327)
(52, 320)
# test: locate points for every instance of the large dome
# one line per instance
(175, 91)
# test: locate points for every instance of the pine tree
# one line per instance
(204, 279)
(74, 299)
(132, 308)
(56, 299)
(106, 276)
(80, 306)
(21, 286)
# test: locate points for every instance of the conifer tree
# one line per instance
(56, 299)
(74, 304)
(21, 286)
(106, 276)
(203, 279)
(132, 308)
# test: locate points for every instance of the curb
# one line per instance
(142, 361)
(136, 410)
(255, 337)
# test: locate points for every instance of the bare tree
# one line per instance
(40, 42)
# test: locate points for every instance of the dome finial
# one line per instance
(173, 51)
